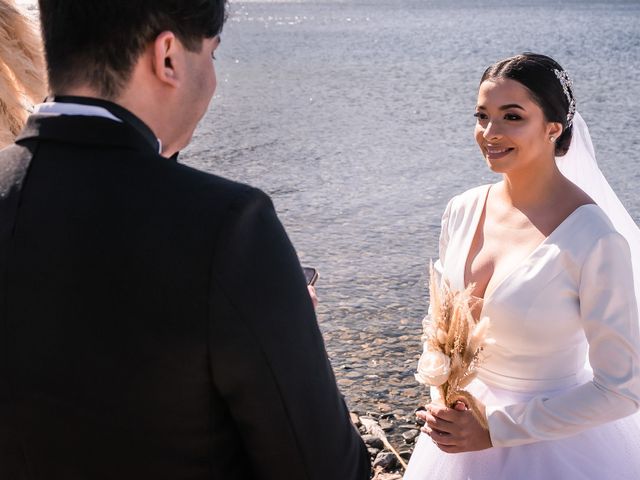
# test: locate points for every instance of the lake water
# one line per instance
(356, 117)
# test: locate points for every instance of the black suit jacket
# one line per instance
(154, 321)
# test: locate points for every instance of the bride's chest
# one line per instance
(494, 253)
(536, 294)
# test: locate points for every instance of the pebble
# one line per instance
(410, 436)
(373, 452)
(345, 382)
(385, 424)
(407, 426)
(373, 441)
(406, 454)
(386, 460)
(387, 476)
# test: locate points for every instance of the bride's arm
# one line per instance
(609, 314)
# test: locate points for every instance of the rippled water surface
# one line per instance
(356, 117)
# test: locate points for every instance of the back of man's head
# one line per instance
(96, 43)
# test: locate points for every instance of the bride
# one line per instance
(552, 253)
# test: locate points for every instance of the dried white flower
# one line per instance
(434, 368)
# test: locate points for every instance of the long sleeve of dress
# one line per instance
(443, 242)
(434, 393)
(609, 316)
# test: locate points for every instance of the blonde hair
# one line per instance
(22, 70)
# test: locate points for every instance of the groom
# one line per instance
(154, 319)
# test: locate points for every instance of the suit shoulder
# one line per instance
(212, 190)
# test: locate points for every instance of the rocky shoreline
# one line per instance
(374, 368)
(383, 430)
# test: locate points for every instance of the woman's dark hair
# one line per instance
(536, 72)
(97, 42)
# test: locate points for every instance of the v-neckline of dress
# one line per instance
(477, 214)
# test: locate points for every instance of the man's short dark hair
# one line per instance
(97, 42)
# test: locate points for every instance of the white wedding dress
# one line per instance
(549, 416)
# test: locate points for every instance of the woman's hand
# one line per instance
(454, 430)
(312, 294)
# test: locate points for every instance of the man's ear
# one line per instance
(167, 58)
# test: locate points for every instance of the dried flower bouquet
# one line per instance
(453, 343)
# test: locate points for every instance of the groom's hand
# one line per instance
(313, 295)
(454, 430)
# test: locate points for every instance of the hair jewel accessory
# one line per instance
(567, 87)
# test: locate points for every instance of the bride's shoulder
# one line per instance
(593, 222)
(468, 200)
(589, 230)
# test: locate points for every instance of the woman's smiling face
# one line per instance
(511, 128)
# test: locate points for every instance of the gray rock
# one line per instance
(406, 454)
(407, 426)
(345, 382)
(387, 476)
(410, 436)
(373, 441)
(386, 425)
(386, 460)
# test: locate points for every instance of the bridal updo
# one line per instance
(538, 74)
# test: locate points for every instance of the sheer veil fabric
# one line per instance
(579, 165)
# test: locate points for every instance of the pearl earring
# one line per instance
(553, 139)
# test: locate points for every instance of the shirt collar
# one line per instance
(95, 107)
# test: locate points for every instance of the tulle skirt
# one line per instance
(610, 451)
